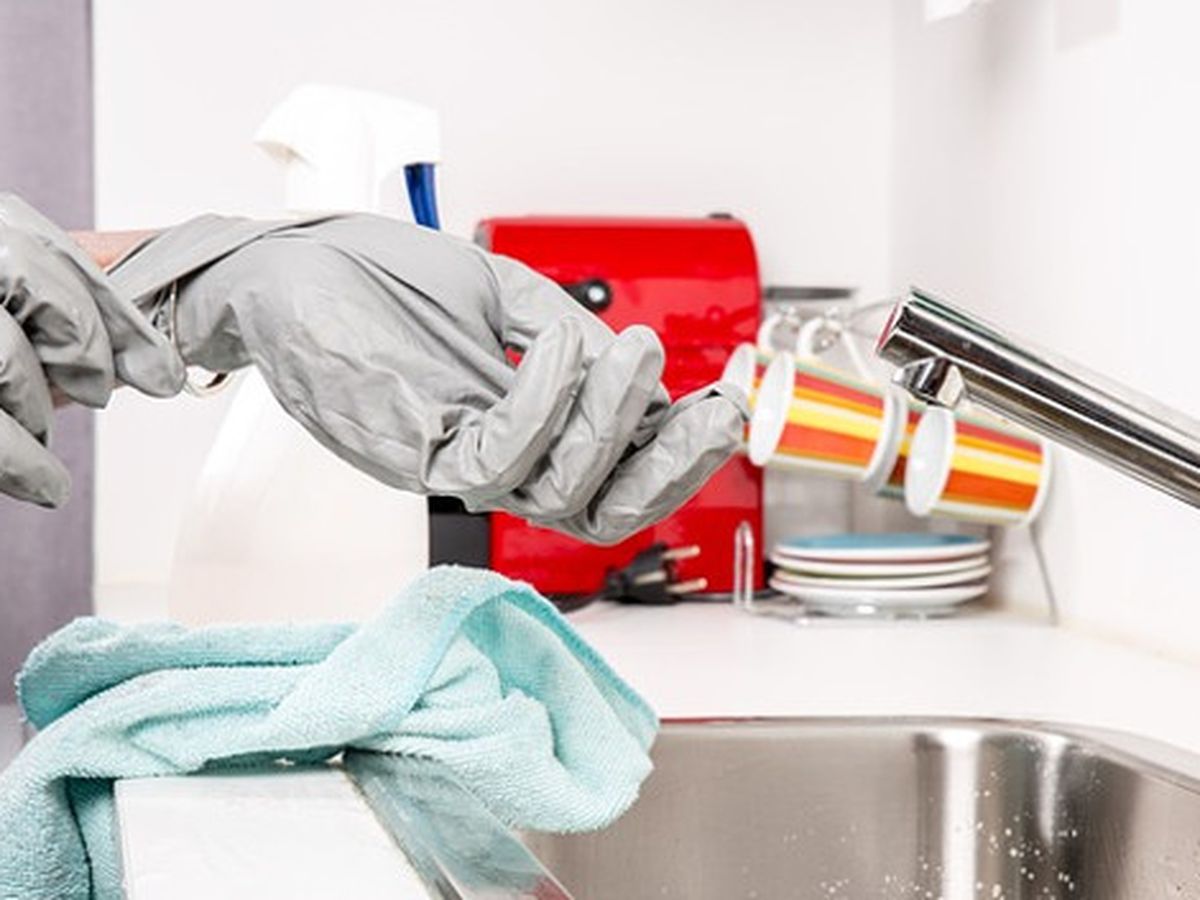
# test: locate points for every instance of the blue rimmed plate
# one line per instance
(895, 547)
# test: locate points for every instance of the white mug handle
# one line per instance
(768, 326)
(806, 339)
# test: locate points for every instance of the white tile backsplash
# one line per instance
(1044, 174)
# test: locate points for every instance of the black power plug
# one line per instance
(651, 578)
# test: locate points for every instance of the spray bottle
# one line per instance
(279, 529)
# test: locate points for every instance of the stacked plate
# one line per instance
(872, 574)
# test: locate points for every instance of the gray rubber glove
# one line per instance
(388, 343)
(61, 326)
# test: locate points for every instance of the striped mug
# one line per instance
(976, 468)
(813, 417)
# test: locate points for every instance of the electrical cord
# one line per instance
(652, 578)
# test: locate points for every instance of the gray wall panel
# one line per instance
(46, 156)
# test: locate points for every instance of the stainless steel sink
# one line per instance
(920, 809)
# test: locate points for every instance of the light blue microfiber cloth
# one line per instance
(465, 667)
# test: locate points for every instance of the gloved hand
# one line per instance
(387, 342)
(61, 326)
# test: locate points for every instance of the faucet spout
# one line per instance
(946, 355)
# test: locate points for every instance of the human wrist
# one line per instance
(107, 248)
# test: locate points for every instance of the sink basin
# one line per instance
(896, 809)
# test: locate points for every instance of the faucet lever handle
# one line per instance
(934, 380)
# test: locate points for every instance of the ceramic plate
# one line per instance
(856, 599)
(879, 548)
(875, 570)
(894, 583)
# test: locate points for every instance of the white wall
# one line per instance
(778, 111)
(1045, 173)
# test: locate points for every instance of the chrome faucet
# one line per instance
(946, 355)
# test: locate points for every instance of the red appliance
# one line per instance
(695, 282)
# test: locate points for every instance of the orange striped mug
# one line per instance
(976, 468)
(814, 417)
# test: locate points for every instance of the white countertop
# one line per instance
(312, 834)
(700, 660)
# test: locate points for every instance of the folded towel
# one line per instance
(465, 667)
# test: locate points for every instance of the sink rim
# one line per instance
(1169, 762)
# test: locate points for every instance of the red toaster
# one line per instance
(695, 282)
